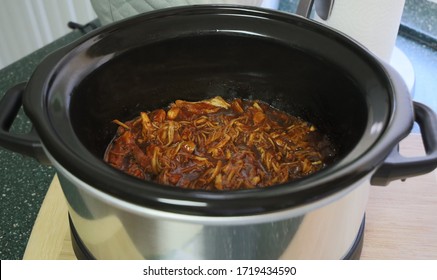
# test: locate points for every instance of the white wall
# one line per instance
(26, 25)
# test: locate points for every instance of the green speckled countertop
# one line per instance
(24, 182)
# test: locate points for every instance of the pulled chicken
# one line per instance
(218, 144)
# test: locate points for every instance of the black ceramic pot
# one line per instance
(198, 52)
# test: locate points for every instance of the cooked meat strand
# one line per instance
(218, 144)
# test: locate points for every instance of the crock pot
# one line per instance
(198, 52)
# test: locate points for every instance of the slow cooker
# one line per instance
(198, 52)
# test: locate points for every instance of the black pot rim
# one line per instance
(244, 202)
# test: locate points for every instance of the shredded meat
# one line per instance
(218, 145)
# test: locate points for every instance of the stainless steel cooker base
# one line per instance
(231, 51)
(82, 253)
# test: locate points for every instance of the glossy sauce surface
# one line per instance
(219, 144)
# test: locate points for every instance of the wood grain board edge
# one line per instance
(50, 238)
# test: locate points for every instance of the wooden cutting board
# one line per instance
(401, 219)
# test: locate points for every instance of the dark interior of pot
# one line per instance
(198, 52)
(194, 53)
(199, 67)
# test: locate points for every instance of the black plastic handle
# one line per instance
(397, 167)
(27, 144)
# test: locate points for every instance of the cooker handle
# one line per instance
(323, 8)
(397, 167)
(27, 144)
(304, 8)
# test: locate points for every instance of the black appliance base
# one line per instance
(82, 252)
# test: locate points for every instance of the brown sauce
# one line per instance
(216, 144)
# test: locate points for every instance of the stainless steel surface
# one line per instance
(323, 8)
(304, 8)
(112, 228)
